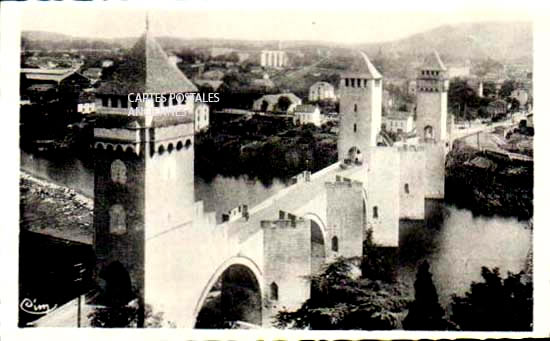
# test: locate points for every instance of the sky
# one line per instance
(336, 21)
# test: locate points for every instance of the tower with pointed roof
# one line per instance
(144, 176)
(431, 122)
(431, 100)
(360, 109)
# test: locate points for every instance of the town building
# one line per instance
(85, 103)
(270, 103)
(497, 108)
(307, 114)
(93, 73)
(202, 117)
(273, 58)
(321, 91)
(398, 122)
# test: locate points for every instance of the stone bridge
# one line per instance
(260, 255)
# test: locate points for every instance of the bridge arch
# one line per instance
(319, 241)
(246, 270)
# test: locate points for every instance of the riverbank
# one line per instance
(54, 210)
(488, 186)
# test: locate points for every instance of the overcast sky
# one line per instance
(337, 21)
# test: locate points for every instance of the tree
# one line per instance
(340, 300)
(378, 263)
(425, 313)
(495, 304)
(125, 317)
(506, 88)
(283, 103)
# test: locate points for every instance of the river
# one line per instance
(456, 244)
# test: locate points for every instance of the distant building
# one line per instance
(213, 75)
(411, 87)
(459, 71)
(93, 73)
(398, 122)
(276, 58)
(262, 83)
(44, 84)
(268, 103)
(498, 107)
(202, 117)
(321, 91)
(521, 96)
(107, 63)
(173, 59)
(211, 83)
(307, 114)
(85, 103)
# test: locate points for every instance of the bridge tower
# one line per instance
(144, 176)
(431, 125)
(360, 109)
(431, 100)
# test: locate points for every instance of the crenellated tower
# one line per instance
(360, 109)
(144, 176)
(431, 100)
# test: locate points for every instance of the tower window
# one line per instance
(407, 188)
(334, 244)
(274, 291)
(355, 108)
(375, 212)
(114, 102)
(353, 82)
(117, 219)
(347, 82)
(105, 101)
(355, 127)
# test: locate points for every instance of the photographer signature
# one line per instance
(31, 307)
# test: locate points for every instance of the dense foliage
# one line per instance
(341, 300)
(425, 312)
(495, 303)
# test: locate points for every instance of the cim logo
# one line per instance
(31, 307)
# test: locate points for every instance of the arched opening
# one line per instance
(428, 132)
(317, 247)
(161, 149)
(334, 243)
(170, 147)
(187, 144)
(355, 156)
(264, 106)
(116, 285)
(375, 212)
(407, 188)
(179, 146)
(235, 296)
(274, 291)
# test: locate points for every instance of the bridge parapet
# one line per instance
(304, 176)
(283, 223)
(411, 148)
(343, 182)
(238, 212)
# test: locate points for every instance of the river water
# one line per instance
(455, 243)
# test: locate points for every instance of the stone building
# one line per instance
(307, 114)
(321, 91)
(202, 116)
(269, 103)
(398, 122)
(274, 58)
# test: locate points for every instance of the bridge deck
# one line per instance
(292, 199)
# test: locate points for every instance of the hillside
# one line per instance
(502, 41)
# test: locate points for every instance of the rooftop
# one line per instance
(362, 66)
(147, 70)
(433, 62)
